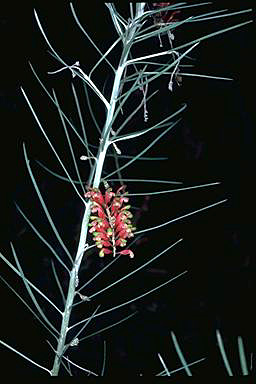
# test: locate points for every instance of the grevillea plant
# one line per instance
(107, 227)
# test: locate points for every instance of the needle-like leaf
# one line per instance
(242, 356)
(149, 181)
(104, 358)
(146, 149)
(180, 354)
(114, 260)
(72, 363)
(81, 121)
(130, 116)
(172, 190)
(163, 373)
(104, 56)
(42, 238)
(213, 34)
(68, 138)
(223, 353)
(58, 282)
(31, 293)
(89, 38)
(109, 326)
(83, 327)
(136, 270)
(44, 205)
(29, 308)
(49, 142)
(132, 300)
(180, 217)
(10, 265)
(24, 356)
(164, 365)
(201, 18)
(52, 99)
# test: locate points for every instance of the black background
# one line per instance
(214, 142)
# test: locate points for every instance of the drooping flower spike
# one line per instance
(110, 225)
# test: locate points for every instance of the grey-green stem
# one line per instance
(104, 143)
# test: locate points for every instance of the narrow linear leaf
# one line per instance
(81, 120)
(210, 13)
(180, 354)
(201, 18)
(114, 19)
(129, 117)
(168, 8)
(58, 282)
(213, 34)
(103, 57)
(223, 353)
(46, 39)
(137, 269)
(146, 149)
(67, 368)
(134, 134)
(181, 368)
(57, 174)
(29, 308)
(242, 356)
(78, 70)
(32, 296)
(10, 265)
(102, 270)
(172, 190)
(171, 26)
(104, 358)
(49, 142)
(53, 101)
(117, 167)
(165, 69)
(90, 109)
(79, 366)
(181, 217)
(149, 181)
(69, 141)
(109, 326)
(152, 158)
(44, 205)
(132, 300)
(24, 356)
(83, 327)
(42, 238)
(164, 365)
(205, 76)
(88, 37)
(96, 275)
(123, 98)
(193, 75)
(71, 362)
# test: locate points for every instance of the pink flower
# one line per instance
(112, 225)
(127, 252)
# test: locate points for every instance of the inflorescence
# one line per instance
(112, 225)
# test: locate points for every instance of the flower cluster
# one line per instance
(112, 225)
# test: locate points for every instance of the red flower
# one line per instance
(112, 226)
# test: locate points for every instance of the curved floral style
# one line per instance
(112, 225)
